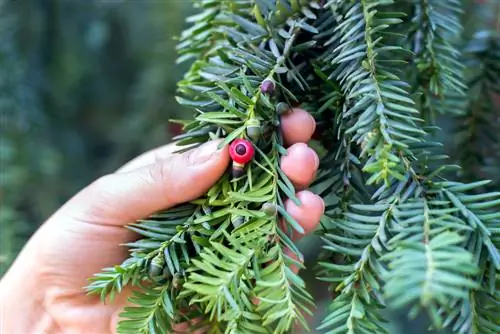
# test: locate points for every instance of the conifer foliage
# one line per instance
(399, 230)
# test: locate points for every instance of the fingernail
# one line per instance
(312, 154)
(313, 122)
(302, 150)
(203, 153)
(322, 203)
(316, 159)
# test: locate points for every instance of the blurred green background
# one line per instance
(86, 85)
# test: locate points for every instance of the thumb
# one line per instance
(121, 198)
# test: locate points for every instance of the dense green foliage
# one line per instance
(377, 74)
(405, 227)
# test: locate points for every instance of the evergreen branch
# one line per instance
(477, 314)
(427, 261)
(282, 295)
(349, 313)
(480, 212)
(154, 312)
(218, 278)
(484, 312)
(404, 157)
(476, 127)
(362, 237)
(375, 97)
(434, 34)
(239, 67)
(435, 273)
(392, 222)
(409, 233)
(206, 36)
(160, 244)
(112, 280)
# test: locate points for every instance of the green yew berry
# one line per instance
(177, 280)
(253, 129)
(270, 209)
(282, 108)
(155, 270)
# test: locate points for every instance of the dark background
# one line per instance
(86, 85)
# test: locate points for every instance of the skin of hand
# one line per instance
(43, 290)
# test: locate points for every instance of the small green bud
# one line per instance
(166, 272)
(177, 280)
(253, 129)
(270, 209)
(155, 269)
(267, 130)
(282, 108)
(267, 86)
(237, 221)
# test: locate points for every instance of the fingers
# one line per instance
(308, 213)
(300, 165)
(150, 157)
(160, 179)
(298, 126)
(187, 327)
(120, 303)
(288, 252)
(120, 198)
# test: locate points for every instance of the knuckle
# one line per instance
(160, 177)
(102, 182)
(157, 173)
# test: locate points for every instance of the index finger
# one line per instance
(297, 125)
(150, 157)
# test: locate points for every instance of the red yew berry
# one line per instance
(241, 152)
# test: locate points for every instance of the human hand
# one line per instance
(43, 290)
